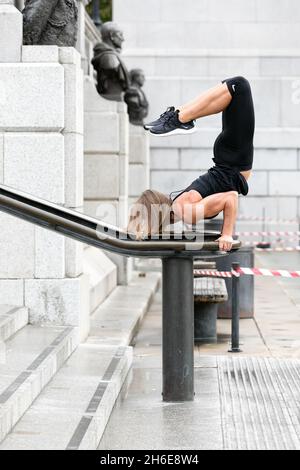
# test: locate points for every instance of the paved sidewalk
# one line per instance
(249, 401)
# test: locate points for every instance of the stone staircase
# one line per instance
(56, 393)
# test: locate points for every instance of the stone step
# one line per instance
(12, 319)
(73, 410)
(102, 275)
(32, 357)
(116, 321)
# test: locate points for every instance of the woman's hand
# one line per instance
(225, 242)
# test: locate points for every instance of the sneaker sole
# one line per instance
(175, 132)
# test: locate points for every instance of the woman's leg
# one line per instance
(212, 101)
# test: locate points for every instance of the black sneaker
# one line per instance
(172, 126)
(161, 119)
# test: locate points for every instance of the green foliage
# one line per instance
(105, 10)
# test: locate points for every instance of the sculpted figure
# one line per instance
(50, 22)
(112, 75)
(135, 98)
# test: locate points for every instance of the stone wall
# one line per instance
(186, 47)
(106, 150)
(41, 152)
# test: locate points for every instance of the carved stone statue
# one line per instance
(135, 98)
(112, 75)
(50, 22)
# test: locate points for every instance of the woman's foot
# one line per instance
(161, 119)
(172, 126)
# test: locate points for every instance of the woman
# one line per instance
(218, 189)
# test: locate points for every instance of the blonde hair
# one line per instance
(150, 214)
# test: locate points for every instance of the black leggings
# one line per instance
(233, 149)
(234, 146)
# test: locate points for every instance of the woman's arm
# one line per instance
(191, 208)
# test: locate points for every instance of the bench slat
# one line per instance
(210, 290)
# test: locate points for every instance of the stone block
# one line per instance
(93, 102)
(196, 159)
(73, 258)
(161, 35)
(280, 11)
(143, 11)
(275, 159)
(279, 207)
(172, 11)
(284, 183)
(123, 130)
(169, 94)
(73, 170)
(69, 55)
(124, 268)
(123, 174)
(11, 38)
(277, 66)
(73, 98)
(39, 159)
(107, 211)
(258, 184)
(290, 102)
(102, 274)
(148, 63)
(1, 158)
(59, 302)
(40, 54)
(49, 254)
(266, 92)
(164, 159)
(235, 36)
(138, 145)
(229, 12)
(32, 97)
(181, 65)
(12, 292)
(230, 66)
(277, 138)
(101, 176)
(167, 182)
(101, 131)
(139, 179)
(16, 248)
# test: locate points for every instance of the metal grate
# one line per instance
(260, 403)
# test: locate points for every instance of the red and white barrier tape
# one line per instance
(268, 219)
(279, 249)
(247, 272)
(268, 234)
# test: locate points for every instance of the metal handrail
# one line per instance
(92, 231)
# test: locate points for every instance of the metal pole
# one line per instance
(178, 330)
(96, 14)
(235, 322)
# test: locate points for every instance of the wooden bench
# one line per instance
(208, 293)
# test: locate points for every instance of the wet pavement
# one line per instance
(249, 401)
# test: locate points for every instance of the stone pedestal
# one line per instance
(41, 152)
(106, 149)
(11, 21)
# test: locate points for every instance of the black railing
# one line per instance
(177, 259)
